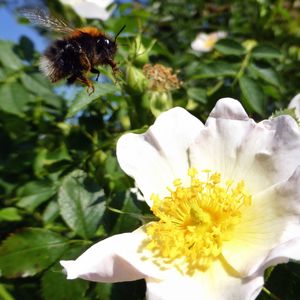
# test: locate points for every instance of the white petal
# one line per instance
(272, 220)
(216, 284)
(200, 43)
(154, 159)
(114, 259)
(233, 144)
(205, 42)
(282, 254)
(93, 9)
(295, 103)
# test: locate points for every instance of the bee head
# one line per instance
(106, 48)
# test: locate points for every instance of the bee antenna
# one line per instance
(119, 32)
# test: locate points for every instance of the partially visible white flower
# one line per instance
(227, 200)
(295, 103)
(205, 42)
(90, 9)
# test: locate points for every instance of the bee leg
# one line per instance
(115, 69)
(113, 66)
(90, 87)
(95, 71)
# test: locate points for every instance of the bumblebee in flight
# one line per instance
(78, 52)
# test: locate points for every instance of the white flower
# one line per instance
(295, 103)
(231, 208)
(205, 42)
(90, 9)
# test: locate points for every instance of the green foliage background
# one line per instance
(61, 188)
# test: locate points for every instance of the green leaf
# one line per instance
(83, 99)
(230, 47)
(130, 216)
(34, 193)
(253, 95)
(216, 69)
(56, 286)
(10, 214)
(50, 98)
(4, 294)
(37, 88)
(3, 75)
(81, 203)
(197, 94)
(266, 52)
(14, 99)
(284, 281)
(8, 58)
(12, 124)
(103, 291)
(58, 154)
(30, 251)
(51, 212)
(25, 48)
(266, 74)
(46, 157)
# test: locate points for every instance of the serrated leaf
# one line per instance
(45, 89)
(253, 94)
(30, 251)
(81, 203)
(14, 99)
(8, 57)
(34, 193)
(230, 47)
(266, 74)
(34, 86)
(83, 99)
(216, 69)
(266, 52)
(10, 214)
(197, 94)
(51, 212)
(46, 157)
(64, 289)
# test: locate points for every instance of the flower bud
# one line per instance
(136, 80)
(158, 101)
(249, 44)
(138, 53)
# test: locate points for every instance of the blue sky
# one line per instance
(11, 30)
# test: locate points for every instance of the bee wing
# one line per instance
(41, 18)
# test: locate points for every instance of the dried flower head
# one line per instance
(161, 78)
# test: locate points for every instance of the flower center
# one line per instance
(195, 221)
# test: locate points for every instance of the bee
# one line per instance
(78, 52)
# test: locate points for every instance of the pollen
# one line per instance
(195, 221)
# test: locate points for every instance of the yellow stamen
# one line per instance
(195, 221)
